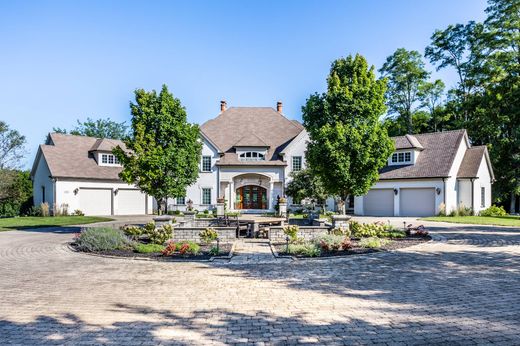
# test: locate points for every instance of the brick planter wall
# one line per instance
(225, 234)
(306, 232)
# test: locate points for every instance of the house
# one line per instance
(248, 155)
(427, 171)
(81, 173)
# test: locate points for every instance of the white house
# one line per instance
(80, 173)
(247, 156)
(427, 171)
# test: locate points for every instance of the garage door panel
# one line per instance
(417, 202)
(379, 202)
(95, 201)
(131, 202)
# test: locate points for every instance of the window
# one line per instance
(296, 163)
(401, 157)
(181, 200)
(482, 197)
(206, 163)
(109, 159)
(43, 194)
(251, 156)
(206, 196)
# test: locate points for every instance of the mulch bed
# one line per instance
(394, 244)
(225, 249)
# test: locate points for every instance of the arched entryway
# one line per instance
(251, 197)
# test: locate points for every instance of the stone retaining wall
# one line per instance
(306, 232)
(225, 234)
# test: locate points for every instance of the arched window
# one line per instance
(251, 156)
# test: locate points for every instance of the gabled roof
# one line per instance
(434, 161)
(251, 140)
(240, 125)
(69, 156)
(472, 160)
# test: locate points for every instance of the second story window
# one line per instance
(109, 160)
(402, 157)
(296, 163)
(251, 156)
(206, 163)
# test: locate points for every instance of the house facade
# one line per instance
(248, 155)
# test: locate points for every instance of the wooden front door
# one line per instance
(251, 197)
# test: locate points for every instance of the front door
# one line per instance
(251, 197)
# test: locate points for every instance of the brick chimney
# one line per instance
(279, 107)
(223, 106)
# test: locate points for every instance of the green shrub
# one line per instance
(493, 211)
(463, 210)
(132, 231)
(208, 235)
(102, 239)
(367, 230)
(148, 248)
(233, 213)
(392, 234)
(161, 234)
(188, 248)
(78, 212)
(291, 231)
(343, 231)
(330, 242)
(307, 249)
(442, 209)
(372, 242)
(214, 251)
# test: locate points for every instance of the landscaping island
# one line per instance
(28, 222)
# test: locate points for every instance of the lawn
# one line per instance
(479, 220)
(37, 221)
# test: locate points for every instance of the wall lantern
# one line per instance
(396, 192)
(76, 190)
(116, 191)
(438, 190)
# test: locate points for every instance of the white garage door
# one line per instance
(95, 201)
(379, 202)
(131, 202)
(417, 202)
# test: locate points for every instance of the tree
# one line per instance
(12, 148)
(348, 144)
(100, 128)
(15, 193)
(406, 76)
(431, 94)
(163, 150)
(305, 184)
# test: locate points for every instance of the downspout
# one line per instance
(473, 194)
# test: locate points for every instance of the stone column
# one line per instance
(340, 220)
(231, 195)
(271, 197)
(221, 202)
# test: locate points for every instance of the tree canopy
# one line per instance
(348, 144)
(163, 148)
(12, 147)
(99, 128)
(305, 184)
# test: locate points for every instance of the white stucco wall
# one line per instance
(452, 185)
(464, 193)
(41, 179)
(65, 192)
(484, 180)
(398, 184)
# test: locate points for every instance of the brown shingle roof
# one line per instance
(471, 162)
(68, 157)
(238, 124)
(407, 142)
(251, 140)
(434, 161)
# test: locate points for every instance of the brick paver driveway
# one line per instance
(463, 290)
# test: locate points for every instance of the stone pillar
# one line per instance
(162, 220)
(340, 220)
(282, 207)
(271, 197)
(221, 210)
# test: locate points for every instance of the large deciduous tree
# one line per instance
(12, 148)
(432, 97)
(348, 144)
(406, 75)
(100, 128)
(163, 149)
(305, 184)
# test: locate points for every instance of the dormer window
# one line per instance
(402, 157)
(251, 156)
(109, 160)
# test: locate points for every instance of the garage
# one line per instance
(379, 202)
(131, 202)
(95, 201)
(417, 202)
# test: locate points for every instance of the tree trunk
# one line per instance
(410, 123)
(512, 204)
(341, 206)
(166, 206)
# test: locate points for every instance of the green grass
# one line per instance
(38, 221)
(509, 220)
(148, 248)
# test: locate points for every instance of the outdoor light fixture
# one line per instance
(438, 190)
(287, 245)
(396, 192)
(116, 191)
(76, 190)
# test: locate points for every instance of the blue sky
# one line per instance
(67, 60)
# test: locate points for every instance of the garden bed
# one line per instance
(203, 255)
(357, 249)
